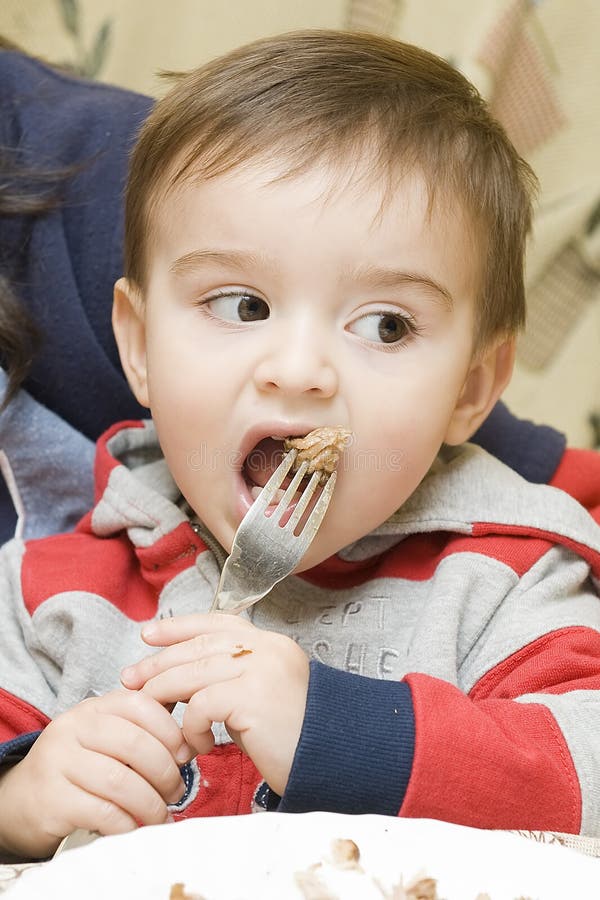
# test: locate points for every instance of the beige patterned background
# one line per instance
(538, 64)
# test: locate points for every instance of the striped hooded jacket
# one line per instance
(455, 651)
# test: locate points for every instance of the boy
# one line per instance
(322, 229)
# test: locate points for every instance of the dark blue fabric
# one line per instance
(13, 751)
(66, 262)
(356, 748)
(8, 513)
(534, 451)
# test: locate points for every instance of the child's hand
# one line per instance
(229, 671)
(106, 764)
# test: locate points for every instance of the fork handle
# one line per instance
(229, 602)
(231, 595)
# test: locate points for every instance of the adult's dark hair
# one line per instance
(27, 194)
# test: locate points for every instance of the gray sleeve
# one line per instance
(47, 466)
(557, 592)
(577, 714)
(20, 676)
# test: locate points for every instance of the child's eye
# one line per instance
(242, 307)
(382, 327)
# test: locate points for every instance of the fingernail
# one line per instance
(169, 820)
(149, 630)
(184, 754)
(127, 674)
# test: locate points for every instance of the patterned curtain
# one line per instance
(373, 15)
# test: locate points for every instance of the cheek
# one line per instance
(184, 399)
(408, 425)
(393, 451)
(413, 407)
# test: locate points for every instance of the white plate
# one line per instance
(256, 856)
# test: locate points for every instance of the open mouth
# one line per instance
(259, 465)
(318, 452)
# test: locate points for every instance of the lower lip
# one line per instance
(244, 499)
(243, 496)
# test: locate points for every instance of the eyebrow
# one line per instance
(373, 276)
(197, 259)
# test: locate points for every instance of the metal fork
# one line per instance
(264, 552)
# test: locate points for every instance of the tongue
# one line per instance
(262, 461)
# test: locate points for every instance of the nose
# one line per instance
(298, 364)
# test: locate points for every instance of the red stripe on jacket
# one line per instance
(578, 474)
(18, 717)
(417, 557)
(486, 761)
(104, 461)
(112, 568)
(539, 536)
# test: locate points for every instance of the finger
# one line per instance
(132, 746)
(213, 704)
(198, 647)
(181, 682)
(91, 812)
(163, 632)
(110, 780)
(141, 709)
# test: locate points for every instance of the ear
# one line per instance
(129, 327)
(488, 375)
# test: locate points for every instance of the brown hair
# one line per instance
(341, 97)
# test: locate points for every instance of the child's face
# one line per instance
(273, 308)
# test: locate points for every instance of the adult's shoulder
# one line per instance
(78, 134)
(38, 100)
(533, 450)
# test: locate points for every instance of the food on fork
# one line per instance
(321, 449)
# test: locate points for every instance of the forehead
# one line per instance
(349, 175)
(363, 199)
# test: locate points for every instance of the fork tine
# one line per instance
(303, 501)
(290, 491)
(315, 518)
(274, 483)
(263, 552)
